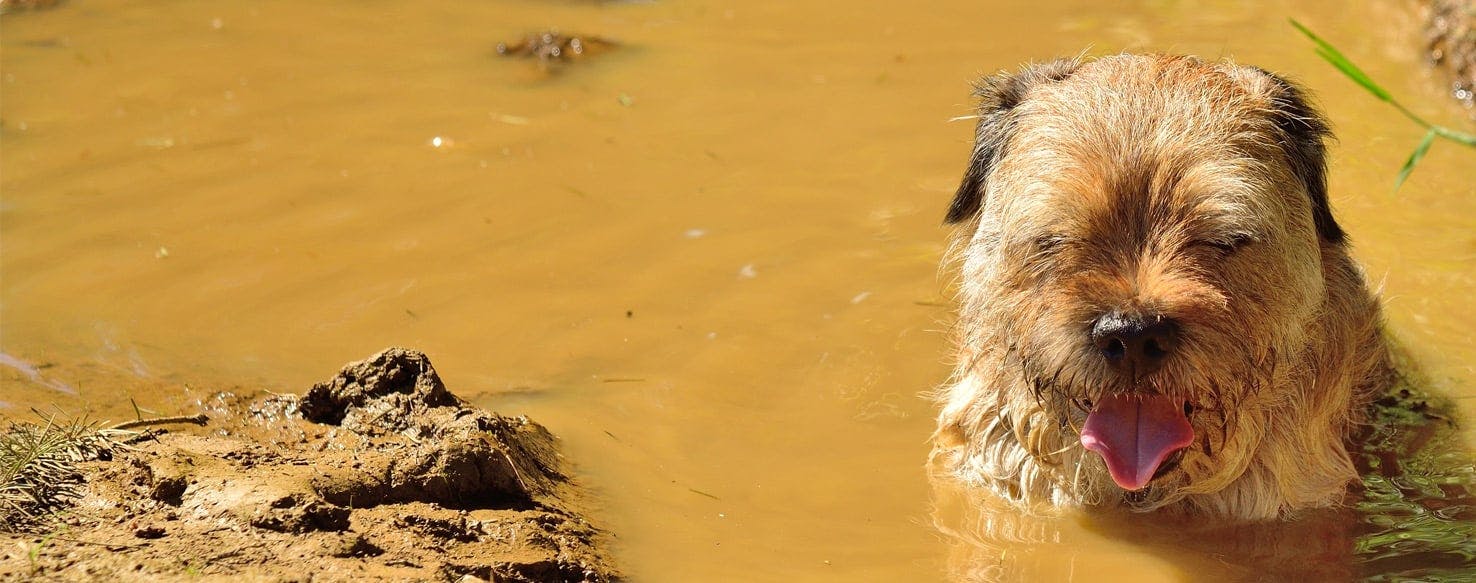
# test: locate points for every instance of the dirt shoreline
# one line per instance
(377, 474)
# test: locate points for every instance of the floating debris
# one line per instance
(18, 5)
(550, 46)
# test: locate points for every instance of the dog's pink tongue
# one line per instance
(1135, 434)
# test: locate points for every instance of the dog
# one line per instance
(1157, 309)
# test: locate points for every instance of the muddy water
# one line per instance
(707, 260)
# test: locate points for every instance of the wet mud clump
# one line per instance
(379, 473)
(416, 442)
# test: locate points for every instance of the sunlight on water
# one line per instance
(705, 257)
(1418, 505)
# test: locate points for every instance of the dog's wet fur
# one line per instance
(1154, 231)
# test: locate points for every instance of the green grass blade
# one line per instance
(1455, 136)
(1332, 55)
(1414, 158)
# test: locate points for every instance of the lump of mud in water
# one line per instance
(396, 384)
(408, 439)
(479, 470)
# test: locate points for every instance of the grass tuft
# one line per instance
(38, 465)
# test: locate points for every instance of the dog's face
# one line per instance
(1141, 263)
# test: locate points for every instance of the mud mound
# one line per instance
(411, 440)
(377, 474)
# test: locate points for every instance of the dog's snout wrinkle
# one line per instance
(1135, 344)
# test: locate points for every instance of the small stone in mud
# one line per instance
(439, 525)
(295, 515)
(352, 545)
(169, 489)
(459, 572)
(545, 570)
(150, 531)
(551, 46)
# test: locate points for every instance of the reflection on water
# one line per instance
(1413, 519)
(999, 544)
(32, 373)
(707, 259)
(1417, 509)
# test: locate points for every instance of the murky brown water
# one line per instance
(707, 260)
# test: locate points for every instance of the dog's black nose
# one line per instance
(1135, 344)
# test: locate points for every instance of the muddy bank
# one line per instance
(379, 473)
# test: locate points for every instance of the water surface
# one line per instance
(707, 260)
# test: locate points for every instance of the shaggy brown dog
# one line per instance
(1158, 309)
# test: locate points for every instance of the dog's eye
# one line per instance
(1227, 244)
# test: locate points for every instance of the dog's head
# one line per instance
(1141, 252)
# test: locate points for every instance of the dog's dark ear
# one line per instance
(998, 95)
(1302, 132)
